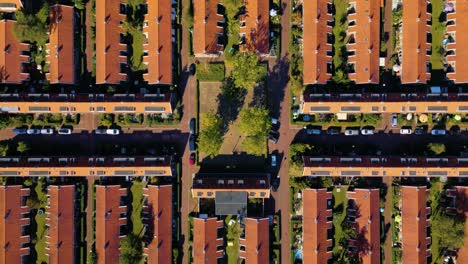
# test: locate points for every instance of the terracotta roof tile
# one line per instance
(316, 52)
(414, 42)
(256, 30)
(205, 29)
(460, 35)
(206, 241)
(256, 241)
(315, 226)
(11, 58)
(61, 50)
(159, 42)
(108, 46)
(61, 222)
(12, 205)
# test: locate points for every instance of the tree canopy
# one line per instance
(131, 249)
(211, 136)
(436, 148)
(22, 147)
(4, 150)
(32, 27)
(254, 121)
(449, 231)
(246, 71)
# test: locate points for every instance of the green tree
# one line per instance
(92, 257)
(436, 148)
(246, 71)
(254, 121)
(449, 231)
(106, 119)
(4, 150)
(131, 249)
(80, 4)
(211, 136)
(32, 27)
(255, 145)
(22, 147)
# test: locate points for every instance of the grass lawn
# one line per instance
(137, 47)
(340, 206)
(437, 30)
(137, 206)
(339, 31)
(434, 191)
(41, 224)
(232, 235)
(232, 8)
(211, 72)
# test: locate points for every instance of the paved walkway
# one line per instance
(388, 27)
(387, 218)
(89, 42)
(89, 214)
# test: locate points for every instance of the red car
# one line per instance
(192, 158)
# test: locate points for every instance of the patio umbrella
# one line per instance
(423, 118)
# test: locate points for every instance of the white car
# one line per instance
(367, 131)
(406, 131)
(64, 131)
(47, 131)
(33, 131)
(351, 132)
(273, 160)
(438, 132)
(112, 131)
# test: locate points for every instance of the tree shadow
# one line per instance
(230, 101)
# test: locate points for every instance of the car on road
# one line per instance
(192, 143)
(100, 131)
(275, 184)
(313, 130)
(406, 131)
(273, 136)
(47, 131)
(64, 131)
(351, 132)
(33, 131)
(192, 126)
(367, 131)
(438, 132)
(192, 158)
(20, 131)
(273, 161)
(420, 130)
(333, 131)
(112, 131)
(275, 124)
(394, 120)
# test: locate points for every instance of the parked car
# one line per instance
(313, 130)
(367, 131)
(438, 132)
(33, 131)
(192, 126)
(275, 184)
(192, 143)
(275, 124)
(64, 131)
(20, 131)
(394, 120)
(273, 136)
(406, 131)
(112, 131)
(455, 131)
(420, 130)
(100, 131)
(351, 132)
(192, 158)
(273, 161)
(332, 131)
(47, 131)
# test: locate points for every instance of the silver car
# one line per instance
(351, 132)
(33, 131)
(47, 131)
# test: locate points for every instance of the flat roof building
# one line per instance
(364, 44)
(111, 48)
(14, 224)
(208, 31)
(14, 59)
(111, 221)
(317, 36)
(60, 212)
(158, 219)
(157, 29)
(60, 50)
(317, 226)
(255, 25)
(457, 52)
(208, 243)
(414, 211)
(255, 241)
(414, 45)
(206, 185)
(364, 213)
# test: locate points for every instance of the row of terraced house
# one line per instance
(111, 222)
(363, 41)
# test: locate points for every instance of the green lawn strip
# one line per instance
(232, 26)
(41, 230)
(137, 206)
(339, 31)
(434, 192)
(211, 72)
(338, 217)
(137, 48)
(232, 235)
(438, 31)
